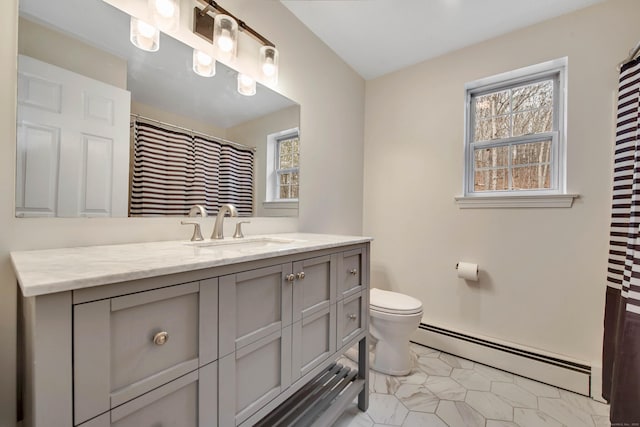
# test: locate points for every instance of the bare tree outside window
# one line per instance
(502, 116)
(288, 167)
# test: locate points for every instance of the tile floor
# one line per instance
(444, 390)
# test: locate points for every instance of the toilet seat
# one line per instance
(393, 303)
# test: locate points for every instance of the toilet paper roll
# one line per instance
(468, 271)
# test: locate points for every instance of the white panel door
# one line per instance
(73, 144)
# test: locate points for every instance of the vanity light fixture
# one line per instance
(222, 31)
(225, 36)
(144, 35)
(165, 13)
(203, 64)
(269, 64)
(246, 85)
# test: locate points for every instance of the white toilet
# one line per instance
(394, 317)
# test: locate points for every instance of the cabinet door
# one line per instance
(129, 345)
(352, 317)
(253, 375)
(254, 304)
(314, 313)
(351, 272)
(189, 401)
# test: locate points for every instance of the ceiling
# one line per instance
(376, 37)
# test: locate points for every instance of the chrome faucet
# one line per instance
(217, 228)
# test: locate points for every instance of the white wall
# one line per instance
(543, 270)
(331, 95)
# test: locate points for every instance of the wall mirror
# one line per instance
(75, 58)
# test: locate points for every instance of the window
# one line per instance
(514, 138)
(288, 166)
(283, 166)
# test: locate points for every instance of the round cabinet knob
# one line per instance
(290, 277)
(301, 275)
(353, 271)
(160, 338)
(352, 316)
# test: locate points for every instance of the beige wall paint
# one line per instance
(332, 99)
(152, 112)
(58, 49)
(543, 270)
(254, 133)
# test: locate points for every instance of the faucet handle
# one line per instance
(238, 234)
(197, 233)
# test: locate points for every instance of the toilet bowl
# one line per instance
(393, 318)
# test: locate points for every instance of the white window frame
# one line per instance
(555, 196)
(272, 187)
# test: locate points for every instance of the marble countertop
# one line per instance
(48, 271)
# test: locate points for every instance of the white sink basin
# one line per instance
(244, 243)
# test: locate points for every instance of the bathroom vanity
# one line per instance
(191, 334)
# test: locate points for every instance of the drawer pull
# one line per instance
(301, 275)
(161, 338)
(354, 271)
(290, 277)
(352, 316)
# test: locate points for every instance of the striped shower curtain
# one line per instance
(174, 170)
(621, 352)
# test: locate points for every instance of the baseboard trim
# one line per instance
(553, 369)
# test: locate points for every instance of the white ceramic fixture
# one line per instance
(394, 317)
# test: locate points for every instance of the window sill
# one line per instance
(530, 201)
(280, 204)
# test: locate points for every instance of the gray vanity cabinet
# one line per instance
(279, 323)
(129, 345)
(221, 346)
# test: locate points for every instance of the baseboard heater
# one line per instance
(563, 373)
(318, 403)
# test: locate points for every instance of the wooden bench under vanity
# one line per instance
(194, 333)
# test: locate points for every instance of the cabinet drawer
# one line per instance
(352, 317)
(129, 345)
(351, 277)
(189, 401)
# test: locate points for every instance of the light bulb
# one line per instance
(144, 36)
(165, 8)
(203, 58)
(225, 43)
(146, 30)
(268, 68)
(203, 64)
(245, 80)
(246, 85)
(269, 64)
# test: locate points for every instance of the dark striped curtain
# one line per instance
(236, 179)
(174, 170)
(621, 352)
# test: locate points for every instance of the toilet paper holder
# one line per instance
(467, 271)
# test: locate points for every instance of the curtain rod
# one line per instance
(632, 55)
(193, 132)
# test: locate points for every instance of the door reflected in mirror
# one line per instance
(106, 129)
